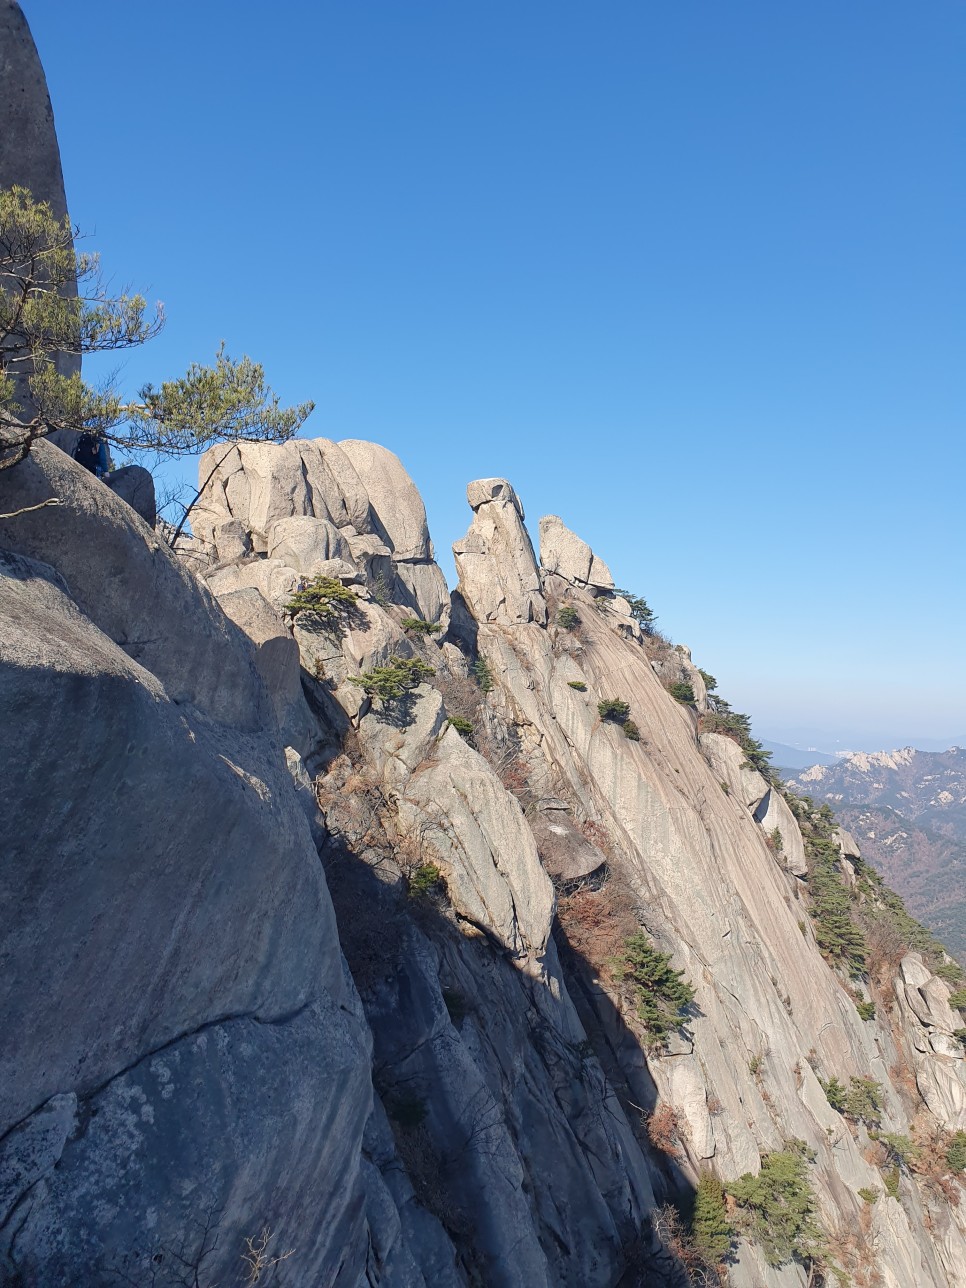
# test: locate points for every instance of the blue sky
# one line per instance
(691, 275)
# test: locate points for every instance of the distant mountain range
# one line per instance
(907, 810)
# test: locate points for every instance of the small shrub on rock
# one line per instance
(482, 674)
(614, 709)
(777, 1208)
(462, 726)
(951, 972)
(418, 626)
(861, 1101)
(567, 617)
(711, 1232)
(956, 1153)
(631, 731)
(324, 599)
(578, 685)
(397, 677)
(643, 615)
(426, 878)
(866, 1010)
(957, 1000)
(867, 1195)
(662, 993)
(681, 692)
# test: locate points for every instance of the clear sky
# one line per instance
(690, 274)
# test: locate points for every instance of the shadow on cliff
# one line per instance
(376, 920)
(624, 1063)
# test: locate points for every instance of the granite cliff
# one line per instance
(416, 938)
(288, 951)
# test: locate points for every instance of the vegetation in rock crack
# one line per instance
(837, 934)
(661, 993)
(712, 1233)
(867, 1195)
(866, 1010)
(578, 685)
(956, 1153)
(861, 926)
(720, 718)
(567, 617)
(631, 731)
(640, 611)
(40, 318)
(681, 691)
(424, 879)
(418, 626)
(379, 590)
(777, 1208)
(899, 1148)
(957, 999)
(325, 599)
(482, 674)
(462, 726)
(397, 677)
(861, 1101)
(614, 709)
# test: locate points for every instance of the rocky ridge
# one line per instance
(468, 1098)
(311, 919)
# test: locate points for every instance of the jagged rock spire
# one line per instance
(498, 573)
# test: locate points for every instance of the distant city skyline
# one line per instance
(690, 276)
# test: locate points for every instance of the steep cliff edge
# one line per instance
(476, 1093)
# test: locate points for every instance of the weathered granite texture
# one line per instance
(200, 1053)
(180, 1039)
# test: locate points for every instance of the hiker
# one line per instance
(91, 452)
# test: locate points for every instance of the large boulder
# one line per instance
(562, 552)
(498, 574)
(397, 505)
(135, 485)
(126, 580)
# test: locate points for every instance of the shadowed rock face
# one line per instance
(180, 1041)
(29, 155)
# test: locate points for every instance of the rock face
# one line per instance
(311, 925)
(498, 573)
(162, 894)
(29, 155)
(304, 504)
(467, 1102)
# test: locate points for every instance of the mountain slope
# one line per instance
(908, 809)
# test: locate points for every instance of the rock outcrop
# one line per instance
(182, 1044)
(474, 1100)
(314, 920)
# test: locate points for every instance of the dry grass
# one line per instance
(664, 1131)
(598, 923)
